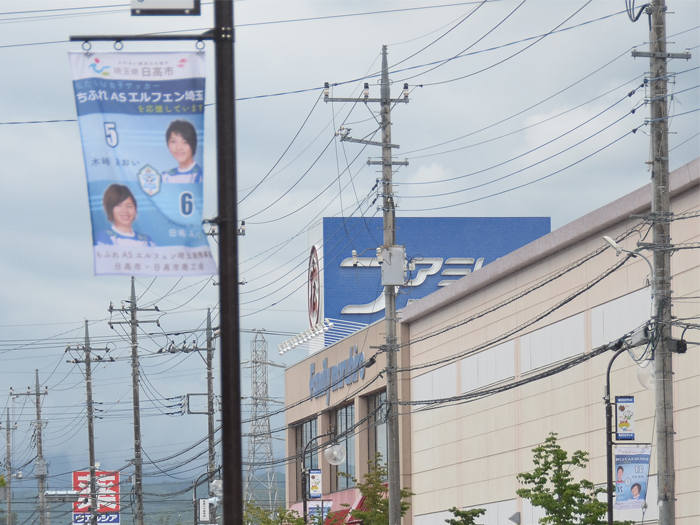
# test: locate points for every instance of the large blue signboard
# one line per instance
(443, 250)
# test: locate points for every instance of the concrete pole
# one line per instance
(91, 428)
(41, 477)
(8, 463)
(393, 450)
(138, 462)
(660, 209)
(210, 397)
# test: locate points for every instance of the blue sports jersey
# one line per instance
(176, 176)
(114, 238)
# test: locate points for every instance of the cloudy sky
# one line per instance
(517, 108)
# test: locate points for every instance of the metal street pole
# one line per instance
(228, 265)
(305, 473)
(609, 435)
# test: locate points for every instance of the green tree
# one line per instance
(551, 486)
(255, 515)
(375, 509)
(464, 517)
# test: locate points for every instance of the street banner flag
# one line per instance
(631, 475)
(625, 418)
(315, 483)
(141, 119)
(108, 489)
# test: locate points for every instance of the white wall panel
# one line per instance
(552, 343)
(490, 366)
(612, 320)
(436, 384)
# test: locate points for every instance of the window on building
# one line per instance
(304, 432)
(376, 408)
(344, 420)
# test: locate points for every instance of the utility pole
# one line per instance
(172, 349)
(210, 398)
(138, 462)
(392, 260)
(660, 215)
(88, 360)
(8, 466)
(40, 462)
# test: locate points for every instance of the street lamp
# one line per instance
(334, 454)
(609, 429)
(619, 249)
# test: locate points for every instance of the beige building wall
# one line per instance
(301, 408)
(468, 454)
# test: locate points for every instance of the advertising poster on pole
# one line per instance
(141, 119)
(108, 488)
(624, 421)
(315, 483)
(631, 475)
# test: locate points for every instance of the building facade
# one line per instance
(493, 363)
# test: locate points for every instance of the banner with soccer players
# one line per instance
(141, 119)
(107, 487)
(631, 475)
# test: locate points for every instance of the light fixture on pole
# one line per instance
(619, 249)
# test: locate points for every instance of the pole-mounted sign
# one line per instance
(625, 418)
(165, 7)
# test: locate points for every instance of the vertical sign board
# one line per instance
(108, 488)
(203, 510)
(443, 250)
(165, 7)
(631, 475)
(315, 483)
(624, 424)
(141, 119)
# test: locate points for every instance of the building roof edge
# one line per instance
(680, 180)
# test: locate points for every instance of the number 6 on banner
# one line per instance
(186, 203)
(111, 134)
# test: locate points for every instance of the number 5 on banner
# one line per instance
(111, 134)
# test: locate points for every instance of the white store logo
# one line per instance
(456, 268)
